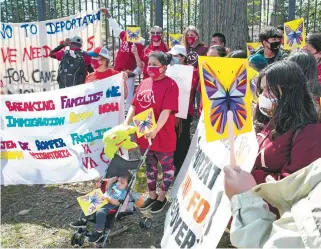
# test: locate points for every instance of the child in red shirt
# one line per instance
(156, 45)
(160, 93)
(103, 71)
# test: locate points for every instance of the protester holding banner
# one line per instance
(160, 93)
(183, 126)
(297, 197)
(125, 59)
(313, 45)
(309, 67)
(157, 44)
(286, 122)
(74, 63)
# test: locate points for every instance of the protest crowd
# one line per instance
(282, 212)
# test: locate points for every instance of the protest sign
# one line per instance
(56, 137)
(176, 39)
(294, 34)
(183, 76)
(200, 210)
(251, 47)
(24, 57)
(92, 202)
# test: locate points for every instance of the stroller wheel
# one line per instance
(74, 239)
(81, 240)
(146, 223)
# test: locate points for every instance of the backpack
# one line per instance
(72, 69)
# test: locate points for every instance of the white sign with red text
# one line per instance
(25, 65)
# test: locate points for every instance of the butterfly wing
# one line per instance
(131, 34)
(251, 49)
(291, 35)
(139, 125)
(299, 34)
(217, 95)
(172, 40)
(237, 93)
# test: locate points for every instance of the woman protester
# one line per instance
(194, 49)
(183, 135)
(308, 65)
(160, 93)
(313, 45)
(103, 70)
(157, 44)
(286, 122)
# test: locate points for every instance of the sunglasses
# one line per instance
(155, 33)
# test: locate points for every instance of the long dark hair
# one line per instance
(295, 108)
(309, 67)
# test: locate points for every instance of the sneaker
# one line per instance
(95, 236)
(158, 206)
(148, 203)
(78, 224)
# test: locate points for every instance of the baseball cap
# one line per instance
(178, 49)
(76, 39)
(102, 51)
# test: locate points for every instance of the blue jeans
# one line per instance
(101, 215)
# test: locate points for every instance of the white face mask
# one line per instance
(267, 106)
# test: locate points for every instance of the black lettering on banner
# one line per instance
(180, 234)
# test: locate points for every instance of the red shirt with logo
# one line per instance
(61, 53)
(100, 75)
(193, 53)
(144, 56)
(125, 59)
(159, 95)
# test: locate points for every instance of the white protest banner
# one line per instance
(200, 210)
(183, 76)
(24, 53)
(56, 137)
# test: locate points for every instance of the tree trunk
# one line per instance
(224, 16)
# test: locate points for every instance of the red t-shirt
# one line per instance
(60, 54)
(100, 75)
(192, 94)
(125, 59)
(144, 56)
(159, 95)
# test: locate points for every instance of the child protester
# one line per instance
(116, 190)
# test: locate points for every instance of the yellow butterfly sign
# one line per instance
(91, 202)
(144, 122)
(175, 39)
(225, 86)
(294, 34)
(251, 47)
(133, 34)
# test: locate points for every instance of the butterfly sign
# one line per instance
(144, 122)
(133, 34)
(92, 202)
(294, 34)
(251, 47)
(175, 39)
(225, 87)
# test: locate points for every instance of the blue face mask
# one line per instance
(175, 60)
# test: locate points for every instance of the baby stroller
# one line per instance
(117, 166)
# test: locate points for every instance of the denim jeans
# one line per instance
(101, 215)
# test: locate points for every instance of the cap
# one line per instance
(178, 49)
(102, 51)
(76, 39)
(259, 61)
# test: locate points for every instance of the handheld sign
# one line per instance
(294, 34)
(175, 39)
(224, 84)
(92, 202)
(251, 47)
(133, 34)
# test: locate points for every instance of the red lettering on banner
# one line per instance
(109, 107)
(89, 163)
(8, 145)
(90, 42)
(86, 148)
(202, 209)
(9, 55)
(35, 52)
